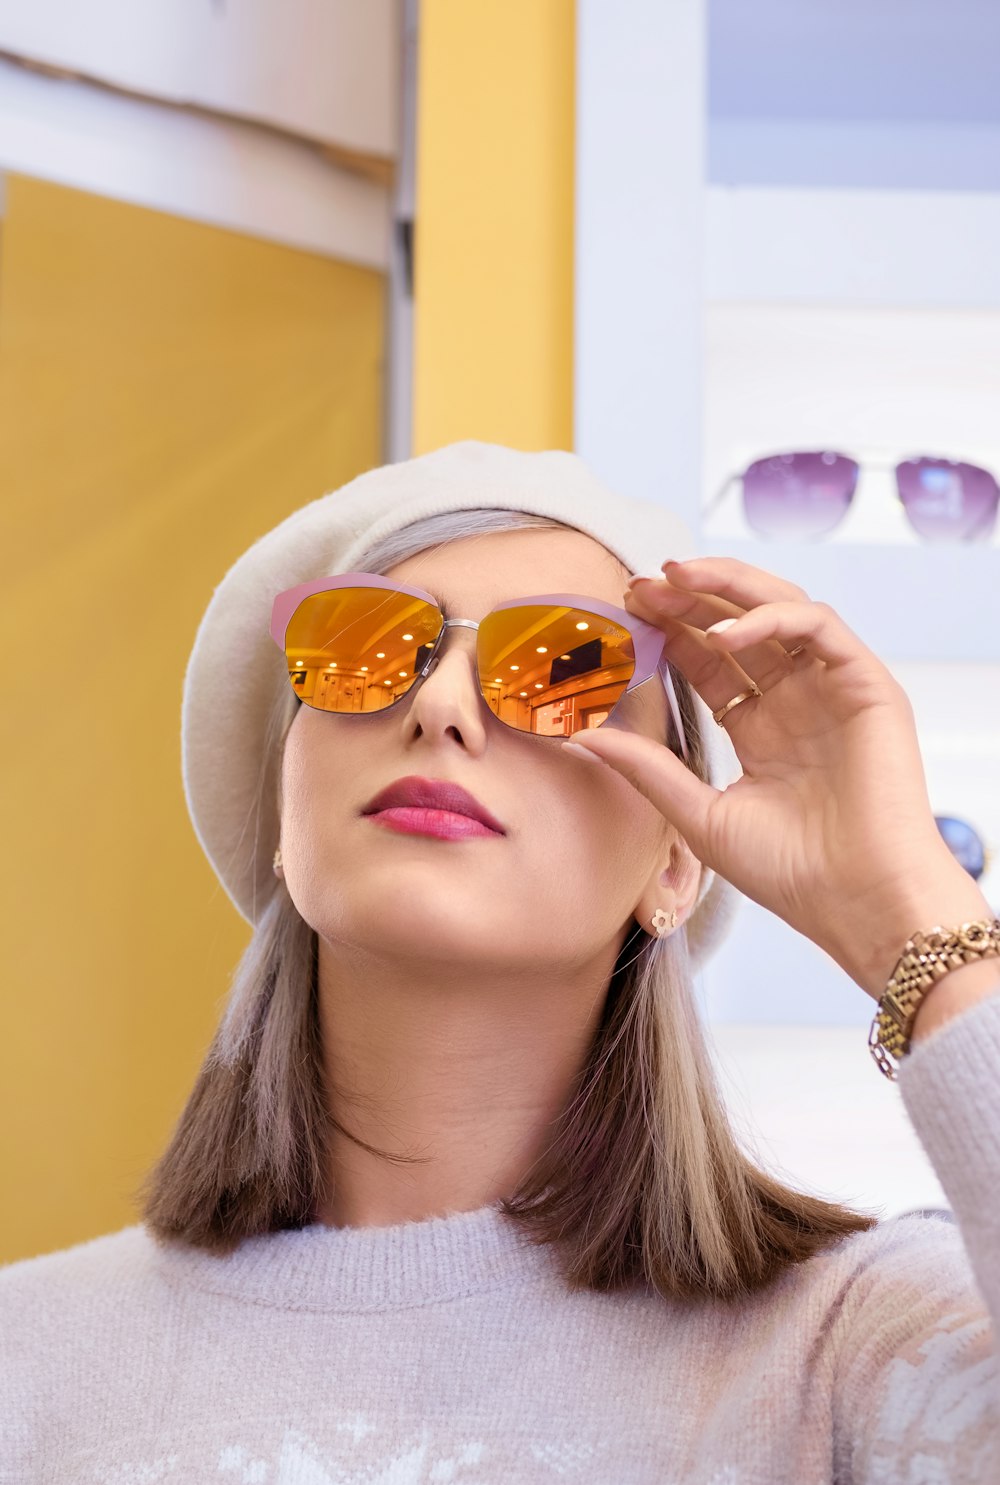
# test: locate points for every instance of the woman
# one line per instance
(455, 1196)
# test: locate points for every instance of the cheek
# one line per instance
(316, 809)
(606, 841)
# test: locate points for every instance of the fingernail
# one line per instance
(642, 577)
(720, 626)
(583, 752)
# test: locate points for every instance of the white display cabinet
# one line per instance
(852, 295)
(880, 385)
(796, 245)
(853, 305)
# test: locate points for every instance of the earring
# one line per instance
(277, 862)
(659, 921)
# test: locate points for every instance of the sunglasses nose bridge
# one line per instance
(445, 625)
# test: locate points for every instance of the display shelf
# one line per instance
(854, 306)
(904, 603)
(879, 385)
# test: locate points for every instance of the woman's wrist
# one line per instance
(949, 900)
(955, 992)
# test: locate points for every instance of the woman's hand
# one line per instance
(830, 827)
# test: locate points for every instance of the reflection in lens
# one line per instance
(798, 495)
(543, 669)
(553, 670)
(946, 500)
(358, 649)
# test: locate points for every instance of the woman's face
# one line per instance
(581, 845)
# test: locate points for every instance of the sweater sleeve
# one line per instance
(917, 1382)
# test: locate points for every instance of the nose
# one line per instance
(451, 704)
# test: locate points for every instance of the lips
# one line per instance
(432, 794)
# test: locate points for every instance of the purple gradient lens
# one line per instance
(797, 495)
(948, 501)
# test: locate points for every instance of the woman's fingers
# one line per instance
(737, 582)
(659, 603)
(715, 675)
(815, 625)
(679, 795)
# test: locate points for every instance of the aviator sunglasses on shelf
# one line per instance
(804, 495)
(549, 665)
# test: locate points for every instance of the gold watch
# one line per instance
(927, 958)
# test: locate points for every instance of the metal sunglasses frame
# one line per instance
(860, 465)
(648, 642)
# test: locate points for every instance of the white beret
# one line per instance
(235, 672)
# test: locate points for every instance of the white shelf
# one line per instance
(879, 385)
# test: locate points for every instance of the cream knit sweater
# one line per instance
(448, 1350)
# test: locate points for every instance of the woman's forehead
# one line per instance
(480, 571)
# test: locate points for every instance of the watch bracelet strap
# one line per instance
(927, 958)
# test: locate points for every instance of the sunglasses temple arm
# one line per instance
(720, 493)
(675, 711)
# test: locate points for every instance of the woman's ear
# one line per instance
(672, 888)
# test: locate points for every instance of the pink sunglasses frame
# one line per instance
(647, 641)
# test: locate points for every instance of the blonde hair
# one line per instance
(643, 1178)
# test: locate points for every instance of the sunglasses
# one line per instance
(965, 844)
(549, 665)
(803, 495)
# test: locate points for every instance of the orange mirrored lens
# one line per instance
(543, 669)
(358, 649)
(553, 670)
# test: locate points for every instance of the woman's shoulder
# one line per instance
(90, 1266)
(932, 1235)
(907, 1262)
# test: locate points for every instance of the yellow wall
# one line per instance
(493, 268)
(168, 392)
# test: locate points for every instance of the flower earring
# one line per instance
(277, 862)
(659, 921)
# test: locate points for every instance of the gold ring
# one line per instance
(743, 696)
